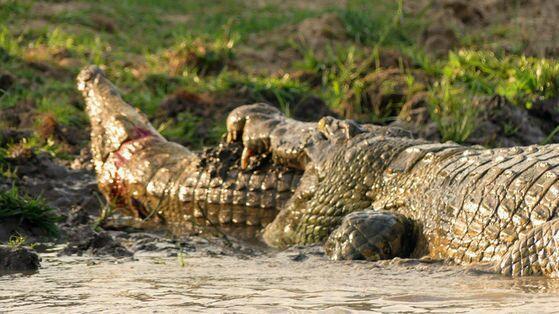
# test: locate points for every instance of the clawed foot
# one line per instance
(371, 235)
(264, 129)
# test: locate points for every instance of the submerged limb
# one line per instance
(371, 235)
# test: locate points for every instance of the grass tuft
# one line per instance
(521, 80)
(202, 56)
(30, 211)
(378, 22)
(282, 91)
(16, 241)
(454, 111)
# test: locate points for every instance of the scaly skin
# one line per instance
(377, 196)
(368, 192)
(146, 176)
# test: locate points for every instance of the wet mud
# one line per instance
(17, 259)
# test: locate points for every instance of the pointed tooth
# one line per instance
(247, 153)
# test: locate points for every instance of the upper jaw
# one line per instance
(113, 121)
(86, 75)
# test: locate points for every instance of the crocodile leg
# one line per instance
(534, 253)
(262, 128)
(371, 235)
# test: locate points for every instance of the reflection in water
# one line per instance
(226, 283)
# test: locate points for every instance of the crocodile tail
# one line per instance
(534, 253)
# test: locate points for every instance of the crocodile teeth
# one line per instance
(230, 137)
(247, 153)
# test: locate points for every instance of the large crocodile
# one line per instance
(368, 192)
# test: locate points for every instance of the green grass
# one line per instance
(453, 110)
(31, 146)
(16, 241)
(6, 170)
(469, 75)
(183, 55)
(352, 79)
(185, 128)
(3, 155)
(341, 73)
(64, 112)
(31, 211)
(522, 80)
(176, 44)
(378, 22)
(153, 48)
(282, 91)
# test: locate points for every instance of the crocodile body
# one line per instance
(191, 195)
(466, 204)
(154, 180)
(368, 192)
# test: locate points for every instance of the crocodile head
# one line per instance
(113, 121)
(127, 150)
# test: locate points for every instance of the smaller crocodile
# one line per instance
(367, 192)
(159, 182)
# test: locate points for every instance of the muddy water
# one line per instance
(269, 283)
